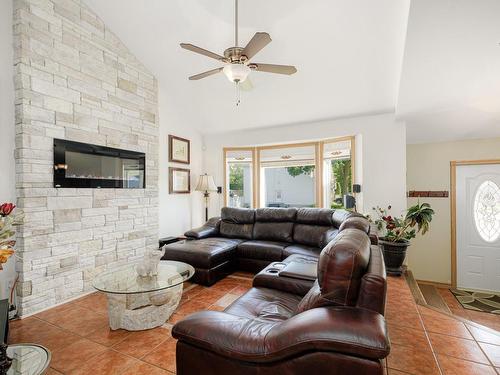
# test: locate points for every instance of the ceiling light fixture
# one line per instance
(236, 73)
(237, 59)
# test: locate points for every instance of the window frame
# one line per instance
(319, 166)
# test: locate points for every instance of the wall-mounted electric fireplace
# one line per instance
(81, 165)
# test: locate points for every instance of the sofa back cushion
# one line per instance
(356, 221)
(339, 216)
(341, 267)
(313, 227)
(313, 235)
(274, 224)
(237, 222)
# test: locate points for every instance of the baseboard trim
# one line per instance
(437, 284)
(69, 300)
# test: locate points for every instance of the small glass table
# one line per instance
(136, 303)
(28, 359)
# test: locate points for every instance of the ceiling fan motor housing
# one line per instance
(233, 55)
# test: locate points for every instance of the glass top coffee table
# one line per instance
(28, 359)
(137, 303)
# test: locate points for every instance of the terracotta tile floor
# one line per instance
(489, 320)
(424, 340)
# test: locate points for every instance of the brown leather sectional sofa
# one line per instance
(334, 325)
(248, 239)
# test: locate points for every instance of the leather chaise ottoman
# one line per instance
(213, 258)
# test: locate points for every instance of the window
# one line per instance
(288, 176)
(310, 174)
(239, 178)
(487, 211)
(338, 172)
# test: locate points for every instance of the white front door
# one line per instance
(478, 227)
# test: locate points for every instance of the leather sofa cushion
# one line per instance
(341, 266)
(273, 231)
(339, 216)
(315, 216)
(309, 251)
(209, 229)
(238, 215)
(313, 235)
(237, 222)
(358, 222)
(265, 304)
(265, 250)
(204, 253)
(270, 280)
(373, 288)
(232, 230)
(275, 214)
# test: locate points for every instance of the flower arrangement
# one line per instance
(7, 222)
(403, 228)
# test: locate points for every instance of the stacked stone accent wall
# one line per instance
(75, 80)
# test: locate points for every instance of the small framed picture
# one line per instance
(178, 150)
(179, 181)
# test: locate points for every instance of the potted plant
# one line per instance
(398, 231)
(7, 222)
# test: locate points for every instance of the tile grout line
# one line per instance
(140, 360)
(481, 348)
(428, 340)
(461, 321)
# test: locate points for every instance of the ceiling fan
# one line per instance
(237, 65)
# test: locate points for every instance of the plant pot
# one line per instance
(394, 255)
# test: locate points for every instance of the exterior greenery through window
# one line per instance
(236, 179)
(342, 178)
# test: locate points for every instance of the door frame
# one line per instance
(453, 208)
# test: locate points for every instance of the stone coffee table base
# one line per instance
(140, 311)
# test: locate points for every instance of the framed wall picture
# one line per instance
(179, 181)
(179, 150)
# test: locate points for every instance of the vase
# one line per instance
(394, 255)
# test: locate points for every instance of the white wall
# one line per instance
(429, 256)
(178, 212)
(380, 153)
(7, 185)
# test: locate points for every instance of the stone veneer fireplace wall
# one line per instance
(75, 80)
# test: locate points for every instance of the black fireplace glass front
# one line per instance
(84, 165)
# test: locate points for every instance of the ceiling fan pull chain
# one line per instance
(238, 94)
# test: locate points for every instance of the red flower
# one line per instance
(6, 209)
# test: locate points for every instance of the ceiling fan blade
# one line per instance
(246, 85)
(259, 41)
(201, 51)
(272, 68)
(205, 74)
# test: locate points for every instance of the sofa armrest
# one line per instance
(328, 237)
(356, 222)
(209, 229)
(265, 279)
(344, 330)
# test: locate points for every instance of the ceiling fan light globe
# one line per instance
(236, 73)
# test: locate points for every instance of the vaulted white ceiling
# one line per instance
(436, 63)
(348, 54)
(450, 82)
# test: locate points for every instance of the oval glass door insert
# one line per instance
(487, 211)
